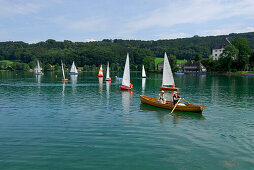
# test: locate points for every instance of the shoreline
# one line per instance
(242, 73)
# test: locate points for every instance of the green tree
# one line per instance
(172, 61)
(198, 57)
(244, 49)
(251, 61)
(226, 59)
(149, 63)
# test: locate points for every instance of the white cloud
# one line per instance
(90, 40)
(173, 35)
(227, 30)
(20, 7)
(194, 12)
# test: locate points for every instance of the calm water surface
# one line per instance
(91, 124)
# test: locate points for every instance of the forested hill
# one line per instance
(114, 51)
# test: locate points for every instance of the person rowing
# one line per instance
(176, 98)
(162, 97)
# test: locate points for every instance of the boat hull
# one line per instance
(169, 88)
(108, 79)
(100, 75)
(125, 88)
(73, 73)
(169, 105)
(39, 74)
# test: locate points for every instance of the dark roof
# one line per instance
(223, 44)
(194, 64)
(161, 62)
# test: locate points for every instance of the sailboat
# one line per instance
(38, 69)
(64, 79)
(107, 75)
(126, 85)
(100, 72)
(143, 72)
(73, 70)
(168, 82)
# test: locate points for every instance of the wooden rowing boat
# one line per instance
(169, 105)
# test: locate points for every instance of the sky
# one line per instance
(32, 21)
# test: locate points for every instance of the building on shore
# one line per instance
(160, 66)
(193, 67)
(218, 50)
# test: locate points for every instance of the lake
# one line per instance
(88, 123)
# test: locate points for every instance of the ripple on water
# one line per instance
(86, 124)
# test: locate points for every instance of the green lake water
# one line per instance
(91, 124)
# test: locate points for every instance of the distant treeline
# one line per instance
(92, 54)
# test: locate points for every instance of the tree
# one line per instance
(244, 49)
(198, 57)
(251, 60)
(172, 61)
(149, 63)
(229, 54)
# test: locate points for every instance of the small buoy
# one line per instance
(116, 77)
(56, 76)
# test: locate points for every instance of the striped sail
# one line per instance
(126, 73)
(168, 78)
(100, 71)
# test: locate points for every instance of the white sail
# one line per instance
(38, 67)
(73, 68)
(168, 78)
(63, 70)
(126, 73)
(107, 75)
(143, 71)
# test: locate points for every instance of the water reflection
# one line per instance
(108, 83)
(63, 89)
(126, 100)
(143, 84)
(100, 84)
(38, 80)
(74, 80)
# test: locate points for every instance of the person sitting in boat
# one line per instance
(131, 86)
(176, 98)
(162, 97)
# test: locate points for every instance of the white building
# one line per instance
(217, 51)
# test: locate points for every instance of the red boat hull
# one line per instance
(100, 76)
(169, 88)
(108, 79)
(125, 88)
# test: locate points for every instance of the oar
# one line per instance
(186, 101)
(175, 106)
